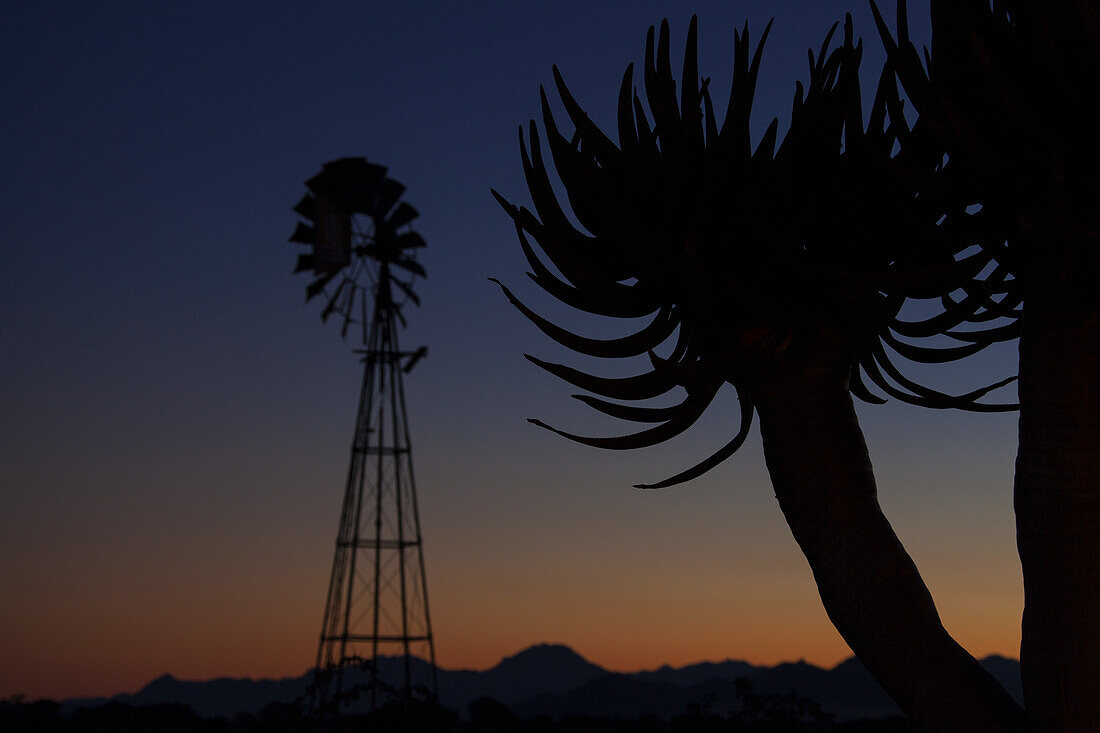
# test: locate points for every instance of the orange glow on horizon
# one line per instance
(618, 626)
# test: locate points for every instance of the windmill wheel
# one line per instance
(362, 247)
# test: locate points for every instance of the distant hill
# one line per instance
(553, 680)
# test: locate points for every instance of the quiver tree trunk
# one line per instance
(1057, 498)
(869, 585)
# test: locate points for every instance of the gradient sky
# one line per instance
(175, 423)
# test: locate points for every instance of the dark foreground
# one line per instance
(483, 716)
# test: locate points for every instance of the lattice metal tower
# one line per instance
(376, 638)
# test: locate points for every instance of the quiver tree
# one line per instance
(1007, 92)
(780, 269)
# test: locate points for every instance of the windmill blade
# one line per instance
(320, 184)
(318, 286)
(305, 262)
(406, 288)
(303, 233)
(411, 265)
(305, 208)
(363, 190)
(341, 179)
(402, 215)
(353, 182)
(348, 310)
(391, 191)
(335, 297)
(342, 168)
(409, 240)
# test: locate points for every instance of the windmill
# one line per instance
(362, 255)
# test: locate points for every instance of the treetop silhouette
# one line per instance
(810, 242)
(1015, 78)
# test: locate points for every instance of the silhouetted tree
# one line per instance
(789, 709)
(1008, 91)
(779, 270)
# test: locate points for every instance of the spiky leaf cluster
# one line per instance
(739, 252)
(1008, 91)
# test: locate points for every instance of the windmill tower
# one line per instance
(363, 259)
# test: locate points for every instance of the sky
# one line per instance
(175, 422)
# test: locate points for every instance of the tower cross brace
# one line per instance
(378, 596)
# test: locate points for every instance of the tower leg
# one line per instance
(376, 644)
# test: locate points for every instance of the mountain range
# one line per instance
(553, 680)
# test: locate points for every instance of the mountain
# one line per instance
(545, 668)
(1007, 672)
(222, 697)
(553, 680)
(847, 691)
(694, 674)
